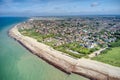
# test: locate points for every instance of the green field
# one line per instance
(111, 57)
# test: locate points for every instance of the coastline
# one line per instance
(88, 68)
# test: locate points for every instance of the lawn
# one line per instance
(111, 57)
(38, 36)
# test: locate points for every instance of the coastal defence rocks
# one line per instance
(88, 68)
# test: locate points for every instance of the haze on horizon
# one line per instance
(59, 7)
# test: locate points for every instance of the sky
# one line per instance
(59, 7)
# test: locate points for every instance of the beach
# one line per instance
(17, 63)
(88, 68)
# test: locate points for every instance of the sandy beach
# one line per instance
(92, 69)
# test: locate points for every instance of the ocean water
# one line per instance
(17, 63)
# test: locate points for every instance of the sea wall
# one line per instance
(88, 68)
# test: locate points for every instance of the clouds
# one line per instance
(95, 4)
(54, 7)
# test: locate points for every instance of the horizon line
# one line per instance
(63, 15)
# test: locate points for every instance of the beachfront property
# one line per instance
(72, 35)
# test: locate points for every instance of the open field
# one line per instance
(111, 57)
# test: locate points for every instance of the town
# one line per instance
(77, 36)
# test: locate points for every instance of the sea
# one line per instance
(17, 63)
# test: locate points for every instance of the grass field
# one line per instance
(112, 57)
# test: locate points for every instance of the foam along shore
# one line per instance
(92, 69)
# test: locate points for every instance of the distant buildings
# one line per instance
(89, 32)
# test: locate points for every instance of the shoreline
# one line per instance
(42, 58)
(88, 68)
